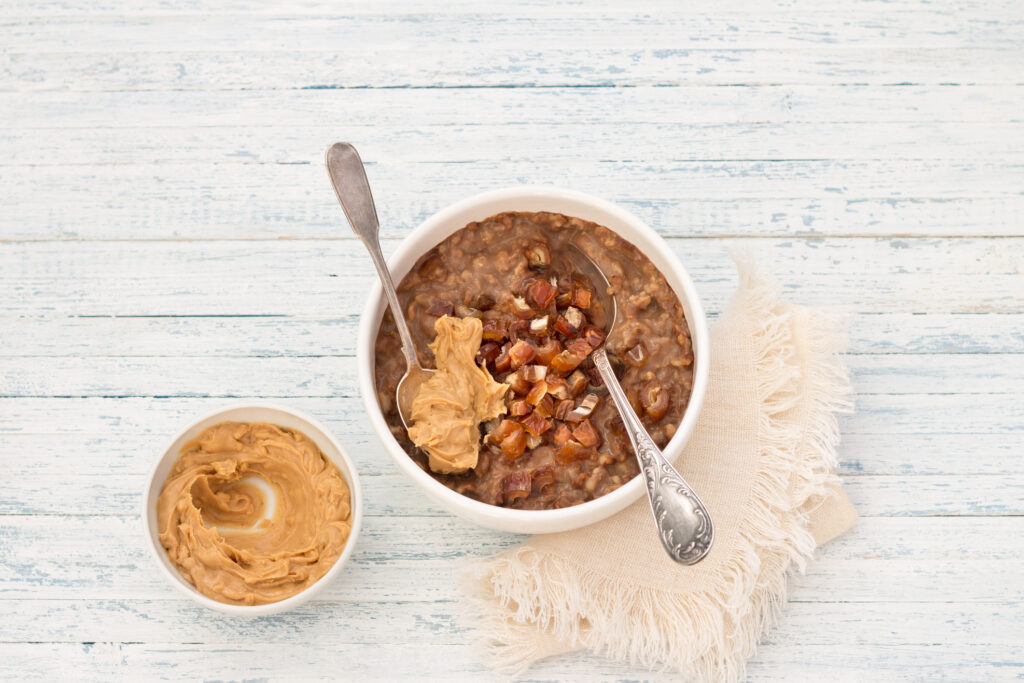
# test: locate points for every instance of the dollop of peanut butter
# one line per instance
(449, 407)
(233, 541)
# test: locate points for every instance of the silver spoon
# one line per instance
(353, 189)
(684, 524)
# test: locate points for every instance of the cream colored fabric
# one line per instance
(762, 458)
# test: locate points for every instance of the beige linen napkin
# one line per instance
(762, 459)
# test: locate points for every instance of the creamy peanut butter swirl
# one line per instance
(450, 406)
(233, 541)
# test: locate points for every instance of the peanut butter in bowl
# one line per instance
(253, 513)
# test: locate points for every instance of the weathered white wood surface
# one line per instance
(169, 242)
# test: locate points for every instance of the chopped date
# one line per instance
(563, 408)
(538, 255)
(488, 353)
(537, 392)
(541, 477)
(516, 485)
(503, 429)
(535, 424)
(513, 445)
(559, 388)
(484, 302)
(594, 336)
(654, 399)
(562, 434)
(546, 406)
(518, 383)
(522, 352)
(518, 408)
(637, 356)
(467, 312)
(518, 329)
(580, 295)
(576, 384)
(541, 293)
(571, 451)
(440, 308)
(496, 329)
(586, 434)
(503, 363)
(548, 350)
(520, 308)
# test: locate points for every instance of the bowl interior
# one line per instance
(454, 218)
(252, 413)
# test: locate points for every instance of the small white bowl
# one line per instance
(251, 412)
(532, 198)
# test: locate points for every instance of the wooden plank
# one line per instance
(286, 110)
(56, 456)
(387, 662)
(744, 30)
(471, 8)
(438, 625)
(396, 65)
(883, 560)
(415, 143)
(307, 277)
(331, 335)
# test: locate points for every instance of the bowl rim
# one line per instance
(345, 466)
(529, 521)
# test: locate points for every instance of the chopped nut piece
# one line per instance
(539, 326)
(533, 441)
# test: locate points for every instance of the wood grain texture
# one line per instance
(169, 243)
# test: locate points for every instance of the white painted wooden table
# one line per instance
(170, 242)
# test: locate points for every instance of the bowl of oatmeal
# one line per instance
(516, 431)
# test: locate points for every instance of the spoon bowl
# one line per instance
(353, 189)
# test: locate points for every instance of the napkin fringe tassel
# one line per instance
(535, 604)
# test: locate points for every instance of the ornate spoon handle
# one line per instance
(684, 524)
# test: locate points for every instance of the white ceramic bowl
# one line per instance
(532, 198)
(251, 412)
